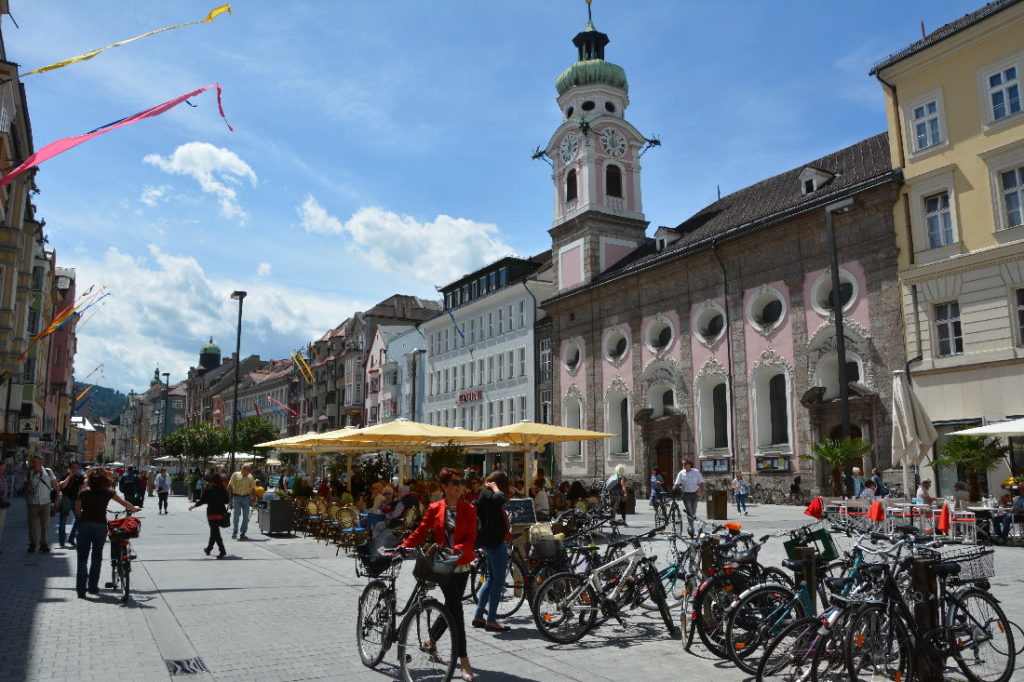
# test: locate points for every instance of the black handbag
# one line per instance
(225, 520)
(435, 565)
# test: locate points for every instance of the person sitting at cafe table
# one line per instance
(869, 491)
(923, 491)
(1002, 523)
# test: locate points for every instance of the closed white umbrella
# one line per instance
(912, 432)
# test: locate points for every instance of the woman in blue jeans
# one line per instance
(91, 508)
(490, 538)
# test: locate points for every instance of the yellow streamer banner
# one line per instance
(214, 13)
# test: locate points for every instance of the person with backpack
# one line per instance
(615, 487)
(129, 485)
(42, 491)
(70, 487)
(880, 489)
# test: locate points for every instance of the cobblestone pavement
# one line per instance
(283, 608)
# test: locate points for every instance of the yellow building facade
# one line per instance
(956, 124)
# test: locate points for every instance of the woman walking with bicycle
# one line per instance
(215, 497)
(492, 535)
(91, 508)
(451, 522)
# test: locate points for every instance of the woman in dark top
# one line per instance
(91, 508)
(215, 497)
(577, 492)
(490, 538)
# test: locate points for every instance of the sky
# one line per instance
(383, 146)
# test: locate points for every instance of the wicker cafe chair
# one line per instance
(350, 532)
(300, 518)
(410, 519)
(312, 518)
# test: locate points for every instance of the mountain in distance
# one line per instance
(106, 402)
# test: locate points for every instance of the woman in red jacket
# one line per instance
(451, 522)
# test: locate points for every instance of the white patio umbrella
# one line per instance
(912, 432)
(1014, 427)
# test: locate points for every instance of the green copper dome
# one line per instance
(210, 348)
(593, 71)
(590, 67)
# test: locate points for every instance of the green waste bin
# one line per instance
(718, 505)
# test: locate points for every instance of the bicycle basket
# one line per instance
(434, 565)
(546, 548)
(822, 542)
(125, 527)
(369, 561)
(975, 564)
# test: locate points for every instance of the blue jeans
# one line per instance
(657, 496)
(241, 507)
(741, 503)
(490, 592)
(62, 537)
(91, 538)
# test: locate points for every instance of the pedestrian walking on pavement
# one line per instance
(240, 489)
(91, 510)
(129, 485)
(215, 497)
(451, 522)
(151, 482)
(162, 484)
(739, 488)
(42, 491)
(493, 531)
(69, 488)
(143, 484)
(690, 483)
(5, 497)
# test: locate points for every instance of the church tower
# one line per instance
(598, 216)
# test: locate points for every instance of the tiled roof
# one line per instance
(764, 203)
(944, 32)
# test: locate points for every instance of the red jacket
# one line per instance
(465, 529)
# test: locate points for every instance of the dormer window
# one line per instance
(661, 244)
(812, 179)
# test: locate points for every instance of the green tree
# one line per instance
(173, 443)
(204, 441)
(252, 430)
(380, 468)
(976, 454)
(837, 455)
(450, 455)
(289, 459)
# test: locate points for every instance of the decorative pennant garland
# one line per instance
(214, 13)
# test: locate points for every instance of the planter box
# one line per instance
(178, 487)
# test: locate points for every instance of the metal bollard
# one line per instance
(707, 556)
(924, 584)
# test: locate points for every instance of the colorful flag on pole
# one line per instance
(60, 146)
(214, 13)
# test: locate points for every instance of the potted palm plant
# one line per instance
(976, 454)
(837, 454)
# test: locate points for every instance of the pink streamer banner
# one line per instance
(60, 146)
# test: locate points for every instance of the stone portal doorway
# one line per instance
(663, 459)
(837, 434)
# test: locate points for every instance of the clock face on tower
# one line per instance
(613, 142)
(570, 143)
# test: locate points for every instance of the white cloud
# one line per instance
(315, 219)
(263, 269)
(164, 307)
(435, 252)
(151, 196)
(217, 170)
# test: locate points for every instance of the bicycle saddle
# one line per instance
(838, 584)
(797, 564)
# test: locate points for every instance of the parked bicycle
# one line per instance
(121, 531)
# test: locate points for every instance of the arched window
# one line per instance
(618, 423)
(570, 185)
(613, 181)
(624, 420)
(668, 398)
(720, 414)
(573, 413)
(779, 407)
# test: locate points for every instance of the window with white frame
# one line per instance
(938, 220)
(472, 331)
(501, 367)
(480, 371)
(447, 386)
(1003, 92)
(501, 326)
(522, 408)
(545, 404)
(510, 359)
(522, 361)
(1020, 317)
(545, 360)
(472, 373)
(927, 132)
(522, 314)
(490, 325)
(1011, 184)
(501, 413)
(462, 376)
(947, 329)
(490, 370)
(490, 415)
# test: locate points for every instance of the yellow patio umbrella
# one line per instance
(402, 436)
(531, 437)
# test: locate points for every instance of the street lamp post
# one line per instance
(167, 390)
(238, 296)
(838, 207)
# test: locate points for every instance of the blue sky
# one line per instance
(383, 146)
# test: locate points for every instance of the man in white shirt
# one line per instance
(689, 482)
(923, 492)
(162, 484)
(38, 486)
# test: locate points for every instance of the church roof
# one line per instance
(590, 72)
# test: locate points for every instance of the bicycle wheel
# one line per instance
(710, 608)
(477, 577)
(980, 637)
(514, 589)
(755, 619)
(538, 575)
(656, 593)
(426, 643)
(565, 608)
(672, 586)
(126, 573)
(876, 645)
(373, 623)
(675, 520)
(789, 657)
